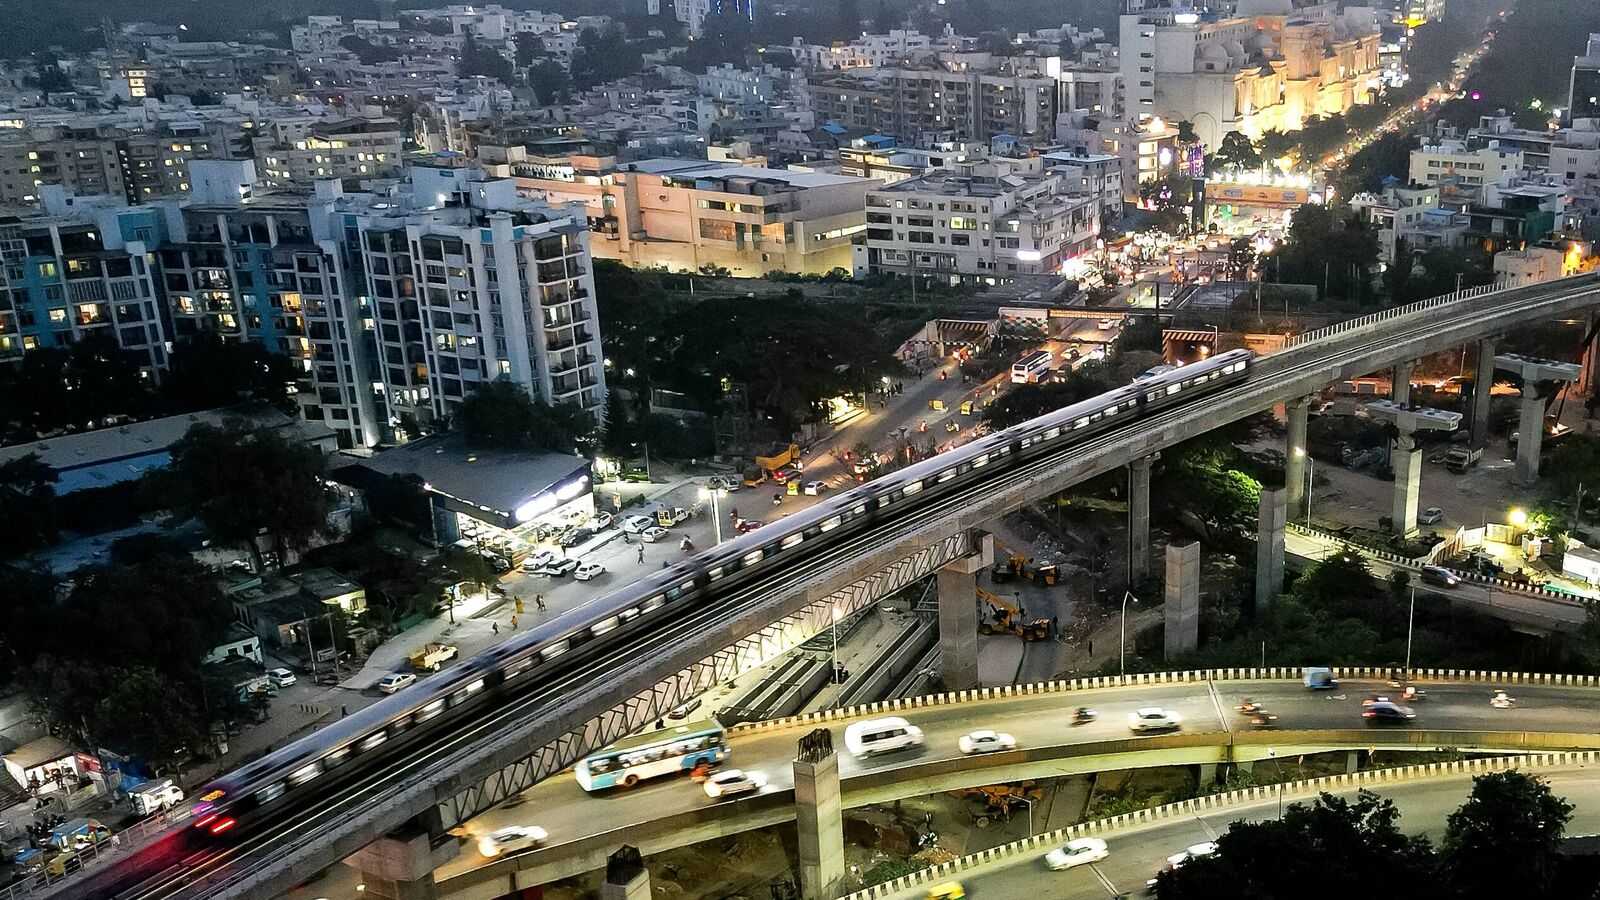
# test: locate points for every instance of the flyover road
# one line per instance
(656, 816)
(1138, 853)
(1523, 610)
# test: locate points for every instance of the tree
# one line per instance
(56, 387)
(549, 82)
(603, 56)
(205, 372)
(1575, 466)
(1328, 247)
(368, 52)
(27, 505)
(242, 485)
(147, 715)
(1502, 842)
(529, 49)
(1397, 278)
(619, 432)
(1334, 848)
(1236, 152)
(477, 60)
(52, 79)
(501, 414)
(1029, 401)
(471, 566)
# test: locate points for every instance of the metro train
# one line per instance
(378, 732)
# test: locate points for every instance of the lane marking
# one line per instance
(1216, 703)
(1104, 881)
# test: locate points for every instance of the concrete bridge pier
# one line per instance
(1537, 376)
(1482, 388)
(1296, 453)
(1406, 461)
(1400, 384)
(819, 816)
(1139, 518)
(399, 865)
(1183, 598)
(1270, 523)
(626, 876)
(958, 614)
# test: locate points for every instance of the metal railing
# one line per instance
(126, 841)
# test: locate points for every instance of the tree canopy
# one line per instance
(27, 505)
(501, 414)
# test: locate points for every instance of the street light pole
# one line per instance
(1311, 483)
(716, 511)
(1411, 618)
(1123, 649)
(1273, 755)
(833, 674)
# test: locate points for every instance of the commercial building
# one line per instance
(690, 214)
(1453, 164)
(502, 500)
(977, 222)
(1269, 67)
(1583, 90)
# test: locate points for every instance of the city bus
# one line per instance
(675, 749)
(1033, 367)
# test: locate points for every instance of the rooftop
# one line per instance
(480, 479)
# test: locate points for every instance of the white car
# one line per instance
(1076, 852)
(732, 782)
(587, 571)
(1433, 515)
(280, 677)
(813, 488)
(1105, 324)
(1154, 718)
(394, 681)
(654, 533)
(637, 524)
(510, 839)
(601, 521)
(539, 559)
(1177, 860)
(985, 741)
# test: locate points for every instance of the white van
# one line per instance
(155, 796)
(881, 736)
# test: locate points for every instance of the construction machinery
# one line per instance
(1007, 619)
(998, 800)
(1015, 565)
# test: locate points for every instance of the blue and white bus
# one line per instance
(675, 749)
(1032, 368)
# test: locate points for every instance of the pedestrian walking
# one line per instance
(641, 554)
(495, 627)
(513, 623)
(539, 601)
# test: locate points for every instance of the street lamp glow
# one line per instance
(1518, 517)
(1300, 452)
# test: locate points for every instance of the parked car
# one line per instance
(1440, 576)
(1154, 718)
(986, 741)
(637, 524)
(636, 476)
(601, 521)
(813, 488)
(588, 570)
(724, 483)
(496, 561)
(1433, 515)
(394, 681)
(576, 537)
(1106, 324)
(510, 839)
(732, 782)
(783, 475)
(1076, 852)
(281, 677)
(557, 568)
(654, 533)
(539, 559)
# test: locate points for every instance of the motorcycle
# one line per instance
(1249, 707)
(1263, 719)
(1083, 715)
(1501, 701)
(687, 546)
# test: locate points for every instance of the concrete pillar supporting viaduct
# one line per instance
(1139, 518)
(1296, 453)
(1183, 598)
(819, 816)
(399, 866)
(1482, 387)
(1405, 459)
(626, 876)
(1537, 375)
(958, 615)
(1400, 385)
(1273, 517)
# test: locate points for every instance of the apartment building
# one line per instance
(1097, 175)
(690, 214)
(897, 47)
(920, 105)
(1460, 168)
(978, 222)
(302, 151)
(1249, 74)
(1583, 89)
(77, 269)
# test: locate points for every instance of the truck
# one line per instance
(155, 797)
(668, 516)
(780, 456)
(1460, 459)
(432, 657)
(78, 834)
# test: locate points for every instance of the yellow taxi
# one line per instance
(950, 890)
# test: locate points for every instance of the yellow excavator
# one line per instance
(1015, 565)
(998, 800)
(1007, 620)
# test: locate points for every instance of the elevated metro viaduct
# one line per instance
(474, 768)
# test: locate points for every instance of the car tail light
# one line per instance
(1367, 713)
(223, 825)
(205, 820)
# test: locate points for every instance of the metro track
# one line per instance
(214, 872)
